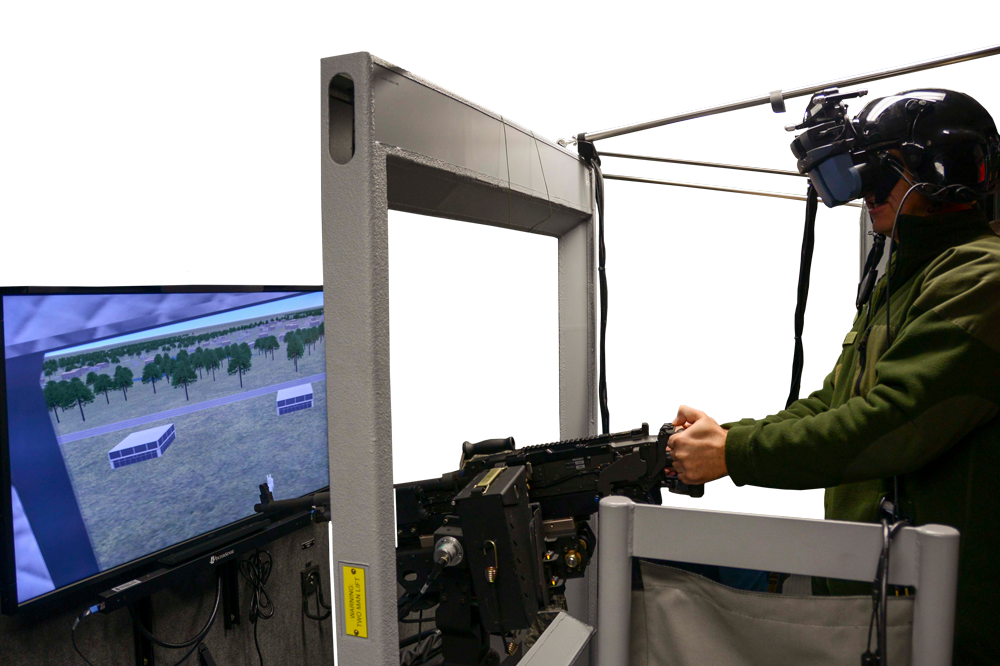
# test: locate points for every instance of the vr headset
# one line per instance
(828, 152)
(942, 141)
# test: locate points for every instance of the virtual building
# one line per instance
(145, 445)
(295, 399)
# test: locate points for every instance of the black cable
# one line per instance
(193, 643)
(320, 615)
(208, 627)
(805, 268)
(319, 598)
(183, 644)
(189, 653)
(879, 619)
(895, 527)
(257, 570)
(893, 243)
(602, 385)
(72, 637)
(417, 620)
(404, 607)
(320, 604)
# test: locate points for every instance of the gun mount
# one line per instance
(492, 544)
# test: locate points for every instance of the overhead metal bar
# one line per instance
(777, 97)
(715, 188)
(670, 160)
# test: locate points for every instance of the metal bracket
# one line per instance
(230, 595)
(142, 612)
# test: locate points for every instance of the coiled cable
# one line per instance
(257, 570)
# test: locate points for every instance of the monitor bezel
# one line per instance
(85, 591)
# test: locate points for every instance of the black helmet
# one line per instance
(947, 140)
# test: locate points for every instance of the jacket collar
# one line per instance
(925, 237)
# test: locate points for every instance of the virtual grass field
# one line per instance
(209, 476)
(142, 401)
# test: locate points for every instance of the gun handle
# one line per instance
(487, 446)
(681, 488)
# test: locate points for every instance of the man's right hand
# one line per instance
(698, 451)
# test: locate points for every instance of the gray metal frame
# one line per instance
(924, 557)
(421, 149)
(564, 643)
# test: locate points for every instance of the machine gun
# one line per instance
(493, 543)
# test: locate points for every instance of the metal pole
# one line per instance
(779, 96)
(715, 188)
(671, 160)
(614, 581)
(937, 587)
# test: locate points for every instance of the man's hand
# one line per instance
(699, 451)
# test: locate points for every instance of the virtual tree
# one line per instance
(80, 394)
(151, 373)
(294, 349)
(240, 360)
(104, 384)
(123, 380)
(53, 398)
(184, 375)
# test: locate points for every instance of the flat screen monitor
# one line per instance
(135, 421)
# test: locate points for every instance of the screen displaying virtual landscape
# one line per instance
(166, 433)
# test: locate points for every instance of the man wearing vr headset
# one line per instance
(911, 411)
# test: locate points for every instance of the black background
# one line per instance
(205, 177)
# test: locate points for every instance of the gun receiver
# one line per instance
(520, 518)
(566, 478)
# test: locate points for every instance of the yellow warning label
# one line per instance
(355, 606)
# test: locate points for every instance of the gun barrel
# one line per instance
(297, 504)
(447, 481)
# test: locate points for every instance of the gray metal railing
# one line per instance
(923, 557)
(777, 97)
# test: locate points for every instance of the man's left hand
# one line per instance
(699, 451)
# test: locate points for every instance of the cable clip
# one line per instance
(587, 150)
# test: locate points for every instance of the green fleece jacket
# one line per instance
(923, 408)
